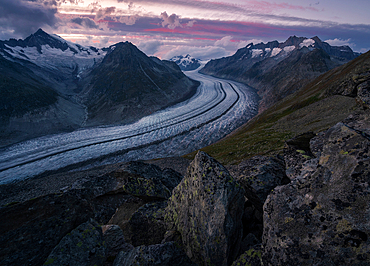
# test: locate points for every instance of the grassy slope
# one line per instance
(313, 108)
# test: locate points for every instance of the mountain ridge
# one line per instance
(259, 65)
(62, 72)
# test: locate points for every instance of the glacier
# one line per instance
(218, 107)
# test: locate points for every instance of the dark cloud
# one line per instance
(24, 18)
(85, 22)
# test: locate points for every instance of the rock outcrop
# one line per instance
(167, 254)
(321, 218)
(115, 241)
(146, 226)
(83, 246)
(206, 208)
(29, 231)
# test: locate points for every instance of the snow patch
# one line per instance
(53, 58)
(267, 50)
(307, 43)
(256, 52)
(275, 52)
(289, 49)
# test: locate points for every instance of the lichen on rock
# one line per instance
(206, 208)
(321, 217)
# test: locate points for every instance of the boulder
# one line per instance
(167, 254)
(207, 209)
(115, 241)
(296, 152)
(321, 218)
(146, 226)
(29, 231)
(83, 246)
(252, 257)
(262, 173)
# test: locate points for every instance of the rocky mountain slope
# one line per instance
(50, 85)
(137, 86)
(186, 63)
(279, 69)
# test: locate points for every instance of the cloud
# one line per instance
(230, 44)
(85, 22)
(131, 20)
(203, 53)
(104, 12)
(191, 23)
(171, 22)
(339, 42)
(24, 18)
(150, 47)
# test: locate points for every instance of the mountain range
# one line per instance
(50, 85)
(186, 63)
(279, 69)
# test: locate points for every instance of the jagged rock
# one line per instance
(249, 242)
(83, 246)
(363, 93)
(125, 211)
(320, 218)
(146, 226)
(167, 254)
(147, 181)
(30, 230)
(296, 152)
(317, 144)
(252, 257)
(206, 208)
(115, 241)
(171, 178)
(262, 173)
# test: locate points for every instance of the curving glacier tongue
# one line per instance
(218, 107)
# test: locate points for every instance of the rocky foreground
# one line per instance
(308, 206)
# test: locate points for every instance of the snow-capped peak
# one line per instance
(187, 62)
(51, 52)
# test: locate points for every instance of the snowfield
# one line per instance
(218, 107)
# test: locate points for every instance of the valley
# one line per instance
(218, 107)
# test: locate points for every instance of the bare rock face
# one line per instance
(321, 218)
(83, 246)
(146, 226)
(207, 208)
(30, 230)
(167, 254)
(115, 241)
(262, 173)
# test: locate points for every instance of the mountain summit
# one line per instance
(138, 85)
(49, 85)
(186, 63)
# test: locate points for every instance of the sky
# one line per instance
(205, 29)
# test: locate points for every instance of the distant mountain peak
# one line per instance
(187, 62)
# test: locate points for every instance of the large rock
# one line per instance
(147, 181)
(83, 246)
(322, 218)
(262, 173)
(115, 241)
(206, 208)
(29, 231)
(146, 226)
(167, 254)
